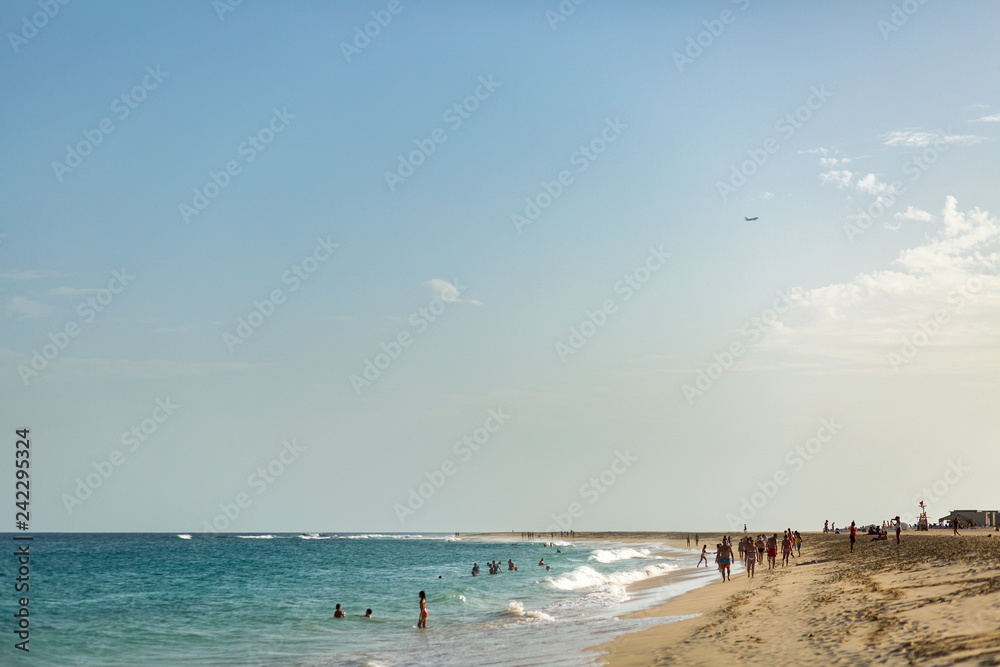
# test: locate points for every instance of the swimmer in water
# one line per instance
(339, 613)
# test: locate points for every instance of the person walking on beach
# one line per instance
(954, 526)
(725, 559)
(422, 621)
(898, 528)
(689, 541)
(704, 556)
(798, 544)
(854, 536)
(786, 549)
(772, 551)
(751, 564)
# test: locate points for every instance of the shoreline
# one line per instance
(932, 600)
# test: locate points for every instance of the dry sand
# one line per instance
(932, 600)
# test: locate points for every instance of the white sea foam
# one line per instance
(184, 537)
(256, 537)
(368, 536)
(585, 576)
(516, 608)
(612, 555)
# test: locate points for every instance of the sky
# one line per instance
(403, 266)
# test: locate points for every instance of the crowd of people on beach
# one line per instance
(751, 552)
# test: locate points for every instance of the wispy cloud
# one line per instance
(23, 308)
(913, 138)
(914, 214)
(871, 185)
(995, 118)
(448, 292)
(74, 291)
(841, 179)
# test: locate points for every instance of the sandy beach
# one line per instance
(932, 600)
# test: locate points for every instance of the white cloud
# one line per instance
(447, 292)
(914, 214)
(841, 179)
(827, 162)
(24, 308)
(995, 118)
(766, 196)
(871, 185)
(853, 326)
(912, 138)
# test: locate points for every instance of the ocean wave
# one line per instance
(314, 536)
(585, 576)
(368, 536)
(256, 537)
(612, 555)
(516, 608)
(184, 537)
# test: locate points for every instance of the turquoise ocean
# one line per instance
(201, 599)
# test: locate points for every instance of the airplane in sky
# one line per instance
(749, 219)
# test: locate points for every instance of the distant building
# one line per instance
(990, 518)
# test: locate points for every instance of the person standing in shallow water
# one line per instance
(422, 621)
